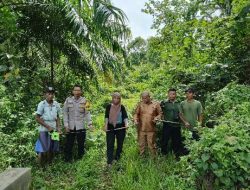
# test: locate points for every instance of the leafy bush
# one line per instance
(219, 103)
(221, 159)
(17, 132)
(17, 149)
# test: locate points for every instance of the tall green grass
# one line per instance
(134, 172)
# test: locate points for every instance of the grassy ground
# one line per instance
(131, 172)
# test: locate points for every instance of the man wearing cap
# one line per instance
(191, 113)
(75, 113)
(171, 124)
(47, 115)
(146, 114)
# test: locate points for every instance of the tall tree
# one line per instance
(87, 33)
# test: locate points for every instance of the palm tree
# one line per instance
(88, 33)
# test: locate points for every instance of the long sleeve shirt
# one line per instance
(145, 115)
(75, 113)
(122, 117)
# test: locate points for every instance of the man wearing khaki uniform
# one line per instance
(146, 114)
(75, 113)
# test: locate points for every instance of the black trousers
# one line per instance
(70, 139)
(173, 133)
(119, 135)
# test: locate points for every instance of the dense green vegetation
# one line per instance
(202, 44)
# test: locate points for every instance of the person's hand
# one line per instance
(155, 119)
(67, 130)
(126, 127)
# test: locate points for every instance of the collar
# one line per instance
(169, 101)
(77, 100)
(190, 101)
(53, 102)
(147, 103)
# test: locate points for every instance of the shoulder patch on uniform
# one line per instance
(83, 100)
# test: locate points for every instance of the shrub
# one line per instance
(221, 159)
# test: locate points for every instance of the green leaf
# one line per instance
(219, 173)
(214, 166)
(232, 140)
(205, 166)
(205, 157)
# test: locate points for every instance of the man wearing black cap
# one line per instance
(47, 115)
(191, 112)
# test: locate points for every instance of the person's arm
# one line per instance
(200, 118)
(39, 113)
(87, 116)
(200, 114)
(58, 125)
(162, 108)
(66, 116)
(41, 122)
(137, 114)
(186, 124)
(125, 116)
(181, 115)
(88, 119)
(159, 113)
(106, 118)
(58, 120)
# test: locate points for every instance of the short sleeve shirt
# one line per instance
(75, 114)
(191, 111)
(49, 113)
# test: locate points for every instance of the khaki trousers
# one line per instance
(147, 139)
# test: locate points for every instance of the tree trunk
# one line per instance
(51, 64)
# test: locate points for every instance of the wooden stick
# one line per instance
(164, 121)
(116, 129)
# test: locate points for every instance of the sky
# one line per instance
(139, 22)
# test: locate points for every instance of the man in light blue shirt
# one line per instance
(47, 115)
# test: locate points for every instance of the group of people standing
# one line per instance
(173, 115)
(147, 113)
(76, 115)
